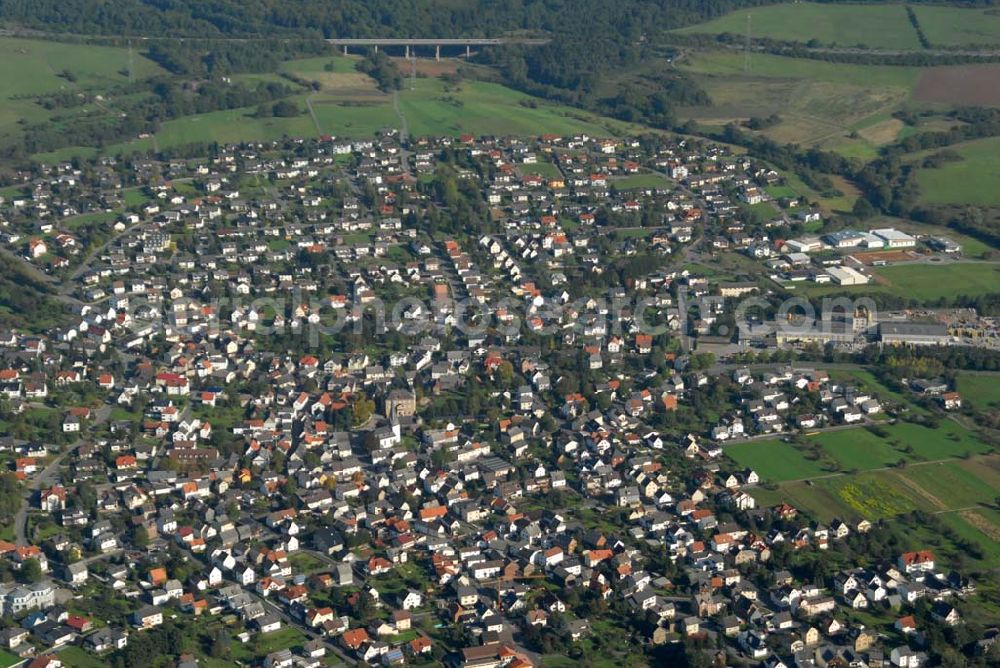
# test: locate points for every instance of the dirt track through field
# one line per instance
(991, 530)
(920, 491)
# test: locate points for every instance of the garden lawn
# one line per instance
(544, 169)
(286, 637)
(75, 657)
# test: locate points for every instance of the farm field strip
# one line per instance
(884, 493)
(878, 26)
(33, 68)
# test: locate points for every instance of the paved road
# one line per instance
(48, 476)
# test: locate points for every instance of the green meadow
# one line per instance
(878, 26)
(857, 448)
(950, 26)
(972, 180)
(775, 460)
(838, 106)
(30, 68)
(478, 107)
(728, 63)
(981, 390)
(349, 106)
(958, 493)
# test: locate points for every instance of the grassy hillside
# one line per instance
(948, 26)
(882, 26)
(838, 106)
(728, 63)
(972, 180)
(31, 68)
(980, 390)
(348, 104)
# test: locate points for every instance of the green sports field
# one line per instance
(928, 282)
(883, 26)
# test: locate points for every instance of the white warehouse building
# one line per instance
(893, 238)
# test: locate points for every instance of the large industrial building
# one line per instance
(847, 276)
(914, 333)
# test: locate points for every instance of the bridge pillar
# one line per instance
(376, 48)
(407, 51)
(437, 52)
(468, 52)
(345, 49)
